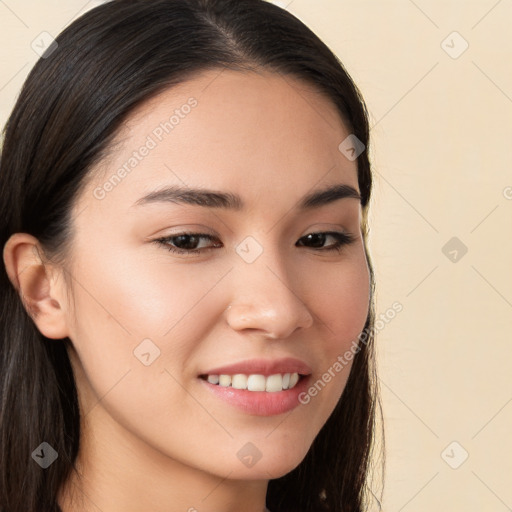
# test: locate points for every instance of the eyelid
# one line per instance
(164, 241)
(343, 238)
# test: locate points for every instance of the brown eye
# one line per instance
(183, 243)
(317, 240)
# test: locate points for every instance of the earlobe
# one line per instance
(37, 284)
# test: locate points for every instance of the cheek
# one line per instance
(125, 311)
(126, 302)
(341, 305)
(143, 296)
(340, 299)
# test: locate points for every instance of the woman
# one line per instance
(187, 301)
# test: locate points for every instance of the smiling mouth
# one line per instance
(255, 382)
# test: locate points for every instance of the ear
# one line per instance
(39, 283)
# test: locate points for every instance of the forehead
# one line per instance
(248, 132)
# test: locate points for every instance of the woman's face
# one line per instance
(149, 324)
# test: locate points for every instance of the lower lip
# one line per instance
(260, 403)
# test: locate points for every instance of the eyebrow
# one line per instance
(227, 200)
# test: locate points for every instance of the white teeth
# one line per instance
(239, 381)
(256, 382)
(274, 383)
(225, 380)
(213, 379)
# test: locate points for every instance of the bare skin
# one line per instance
(154, 438)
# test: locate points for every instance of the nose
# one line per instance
(265, 300)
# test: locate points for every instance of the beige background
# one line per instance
(442, 156)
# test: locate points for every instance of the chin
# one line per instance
(272, 464)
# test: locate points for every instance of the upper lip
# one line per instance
(264, 367)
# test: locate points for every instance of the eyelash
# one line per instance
(342, 239)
